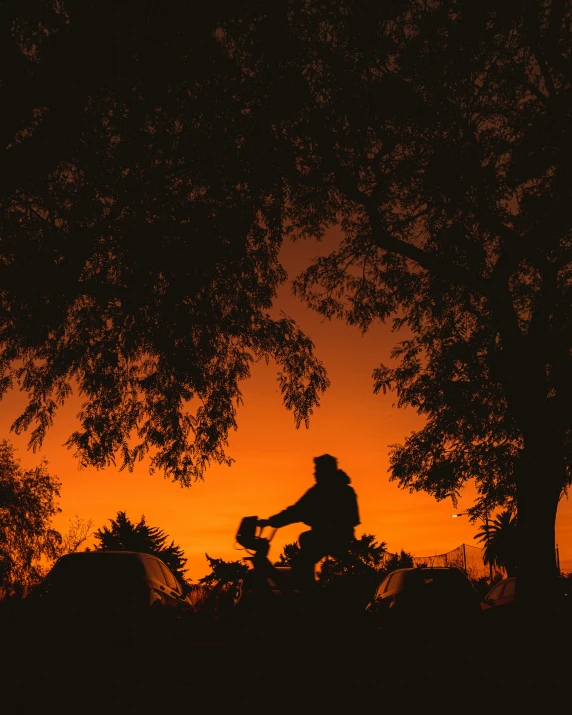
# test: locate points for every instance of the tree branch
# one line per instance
(445, 269)
(382, 237)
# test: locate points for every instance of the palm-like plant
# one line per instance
(500, 541)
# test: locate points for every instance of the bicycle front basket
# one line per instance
(246, 534)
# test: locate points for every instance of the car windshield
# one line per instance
(95, 566)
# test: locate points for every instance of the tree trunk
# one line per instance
(539, 619)
(541, 471)
(540, 477)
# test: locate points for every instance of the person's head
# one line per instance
(325, 467)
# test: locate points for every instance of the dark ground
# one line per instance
(314, 665)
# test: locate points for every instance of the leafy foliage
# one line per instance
(223, 582)
(364, 556)
(139, 258)
(355, 575)
(290, 553)
(28, 502)
(402, 560)
(124, 535)
(435, 135)
(223, 573)
(139, 249)
(500, 541)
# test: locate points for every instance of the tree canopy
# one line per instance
(436, 135)
(140, 222)
(140, 260)
(28, 503)
(124, 535)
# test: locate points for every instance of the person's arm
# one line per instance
(290, 515)
(285, 517)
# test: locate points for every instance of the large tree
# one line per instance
(140, 223)
(436, 135)
(28, 503)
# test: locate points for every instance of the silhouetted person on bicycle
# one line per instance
(330, 508)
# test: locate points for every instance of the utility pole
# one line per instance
(486, 522)
(487, 530)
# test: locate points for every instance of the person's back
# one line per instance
(330, 508)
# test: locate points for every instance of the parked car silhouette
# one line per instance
(424, 598)
(110, 595)
(500, 595)
(503, 594)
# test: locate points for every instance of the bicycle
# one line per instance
(264, 580)
(270, 605)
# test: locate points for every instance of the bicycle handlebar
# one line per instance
(249, 533)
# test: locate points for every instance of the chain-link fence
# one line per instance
(466, 557)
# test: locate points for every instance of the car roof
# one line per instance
(426, 568)
(86, 556)
(110, 551)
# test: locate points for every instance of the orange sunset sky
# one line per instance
(273, 464)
